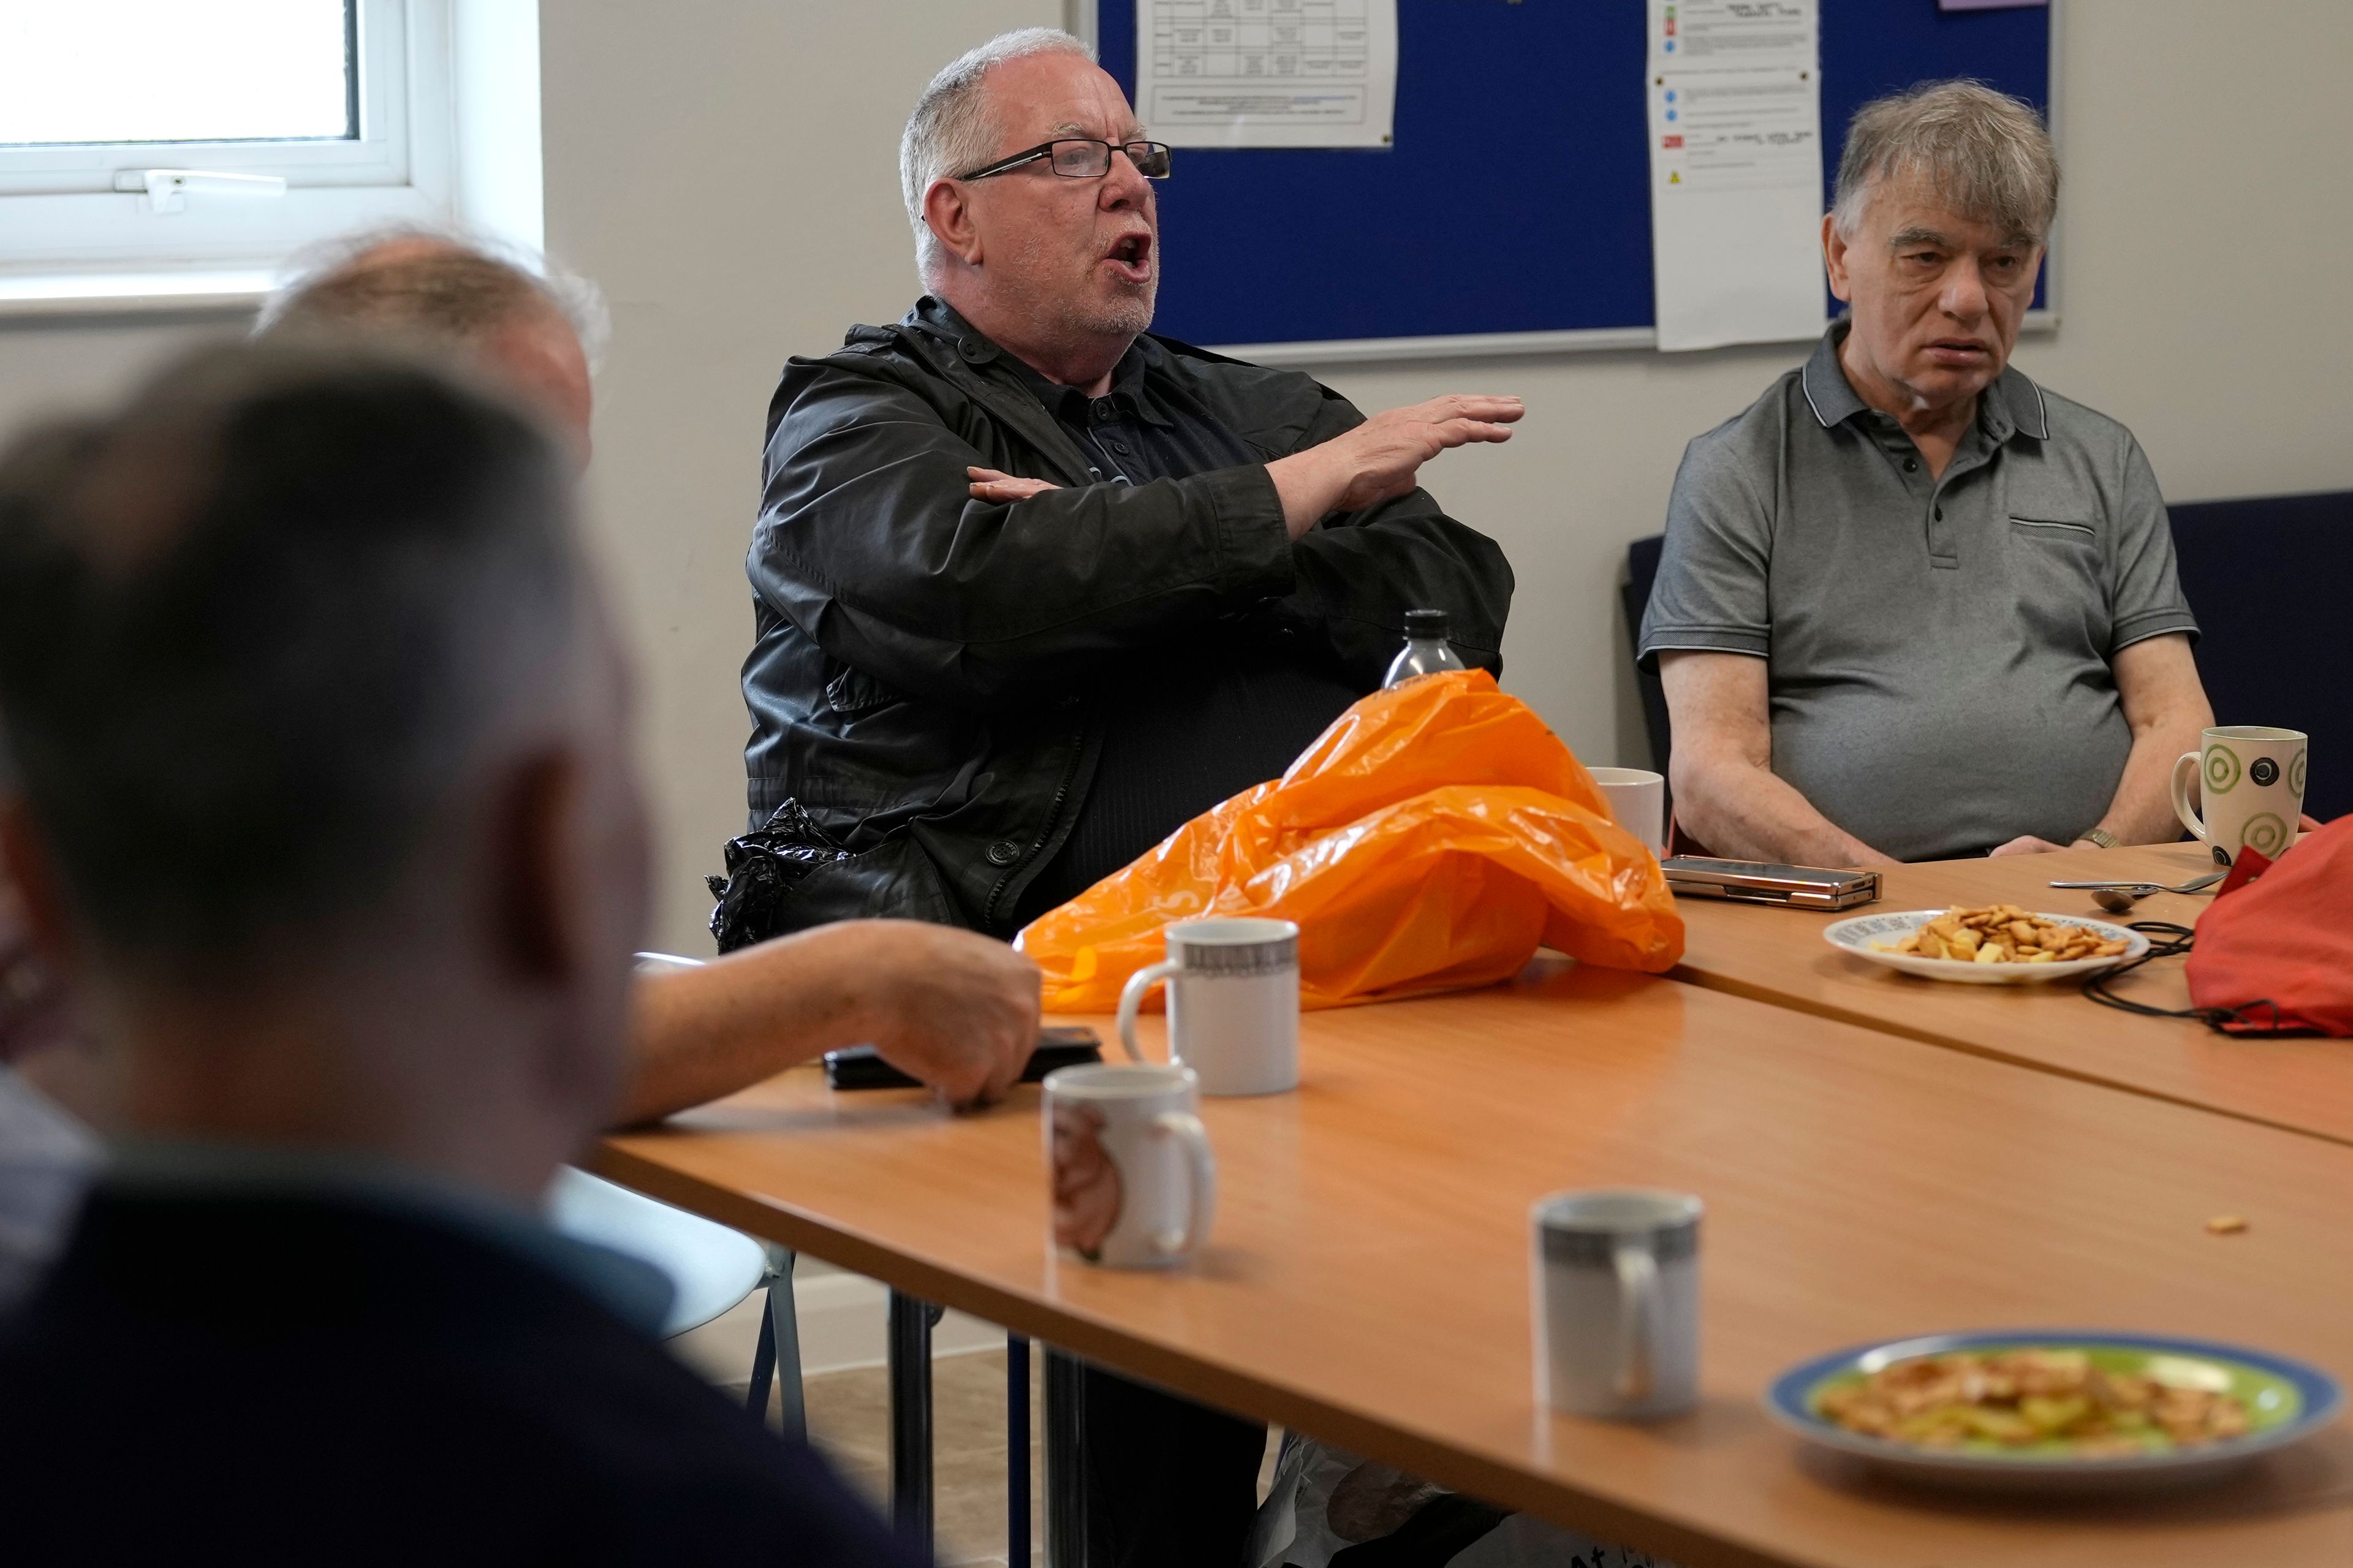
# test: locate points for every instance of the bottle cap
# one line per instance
(1427, 624)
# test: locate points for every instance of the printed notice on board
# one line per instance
(1267, 73)
(1734, 111)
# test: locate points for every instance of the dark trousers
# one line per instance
(1166, 1483)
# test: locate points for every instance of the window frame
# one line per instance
(60, 213)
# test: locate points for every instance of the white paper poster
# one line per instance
(1734, 111)
(1266, 73)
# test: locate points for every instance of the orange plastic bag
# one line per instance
(1429, 840)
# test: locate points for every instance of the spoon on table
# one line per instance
(2117, 897)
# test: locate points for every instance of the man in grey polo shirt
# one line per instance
(1913, 606)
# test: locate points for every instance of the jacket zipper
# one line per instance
(1053, 815)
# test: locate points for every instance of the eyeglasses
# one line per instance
(1077, 158)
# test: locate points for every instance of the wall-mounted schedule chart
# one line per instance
(1735, 128)
(1267, 73)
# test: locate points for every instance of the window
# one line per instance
(173, 134)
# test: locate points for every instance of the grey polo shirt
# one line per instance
(1939, 649)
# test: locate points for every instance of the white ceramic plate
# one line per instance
(1864, 935)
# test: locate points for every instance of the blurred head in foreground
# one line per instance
(532, 329)
(320, 735)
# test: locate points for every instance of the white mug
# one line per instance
(2251, 787)
(1129, 1171)
(1233, 1003)
(1637, 803)
(1617, 1302)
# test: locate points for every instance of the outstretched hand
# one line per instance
(1381, 459)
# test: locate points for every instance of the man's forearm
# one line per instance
(699, 1034)
(1740, 810)
(1309, 486)
(2142, 809)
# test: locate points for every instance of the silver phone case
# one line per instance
(1747, 881)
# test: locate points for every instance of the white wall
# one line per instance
(727, 169)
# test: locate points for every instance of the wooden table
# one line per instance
(1777, 956)
(1368, 1278)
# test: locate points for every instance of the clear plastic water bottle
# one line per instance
(1426, 651)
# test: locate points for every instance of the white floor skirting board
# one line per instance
(843, 1318)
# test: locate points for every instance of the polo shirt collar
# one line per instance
(1128, 392)
(1826, 391)
(1067, 404)
(2012, 406)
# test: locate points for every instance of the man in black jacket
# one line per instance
(1034, 587)
(327, 816)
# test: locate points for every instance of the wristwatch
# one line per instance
(2099, 835)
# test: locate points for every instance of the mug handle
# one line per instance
(1131, 1002)
(1638, 1310)
(1187, 1129)
(2181, 796)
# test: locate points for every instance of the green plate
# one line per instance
(2285, 1400)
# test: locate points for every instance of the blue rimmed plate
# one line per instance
(2286, 1402)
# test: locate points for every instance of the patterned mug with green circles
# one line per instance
(2250, 785)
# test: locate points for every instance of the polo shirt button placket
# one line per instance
(1941, 552)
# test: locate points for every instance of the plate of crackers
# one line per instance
(1990, 944)
(2047, 1410)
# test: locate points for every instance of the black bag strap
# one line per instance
(2167, 940)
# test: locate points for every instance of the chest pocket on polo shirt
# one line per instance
(2060, 578)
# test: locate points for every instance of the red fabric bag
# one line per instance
(2284, 939)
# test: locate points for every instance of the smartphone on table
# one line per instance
(858, 1067)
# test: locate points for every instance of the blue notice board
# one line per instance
(1516, 198)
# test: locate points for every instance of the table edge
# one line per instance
(1832, 1012)
(1058, 1327)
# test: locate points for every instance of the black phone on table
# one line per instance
(858, 1067)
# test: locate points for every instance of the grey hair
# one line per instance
(952, 129)
(531, 273)
(1987, 155)
(319, 578)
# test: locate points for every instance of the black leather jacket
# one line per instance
(921, 681)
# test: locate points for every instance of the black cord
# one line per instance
(2167, 939)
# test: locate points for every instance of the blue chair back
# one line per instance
(2268, 579)
(1635, 595)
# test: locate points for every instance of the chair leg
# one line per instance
(779, 1351)
(783, 1322)
(1016, 1451)
(763, 1361)
(911, 1419)
(1066, 1498)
